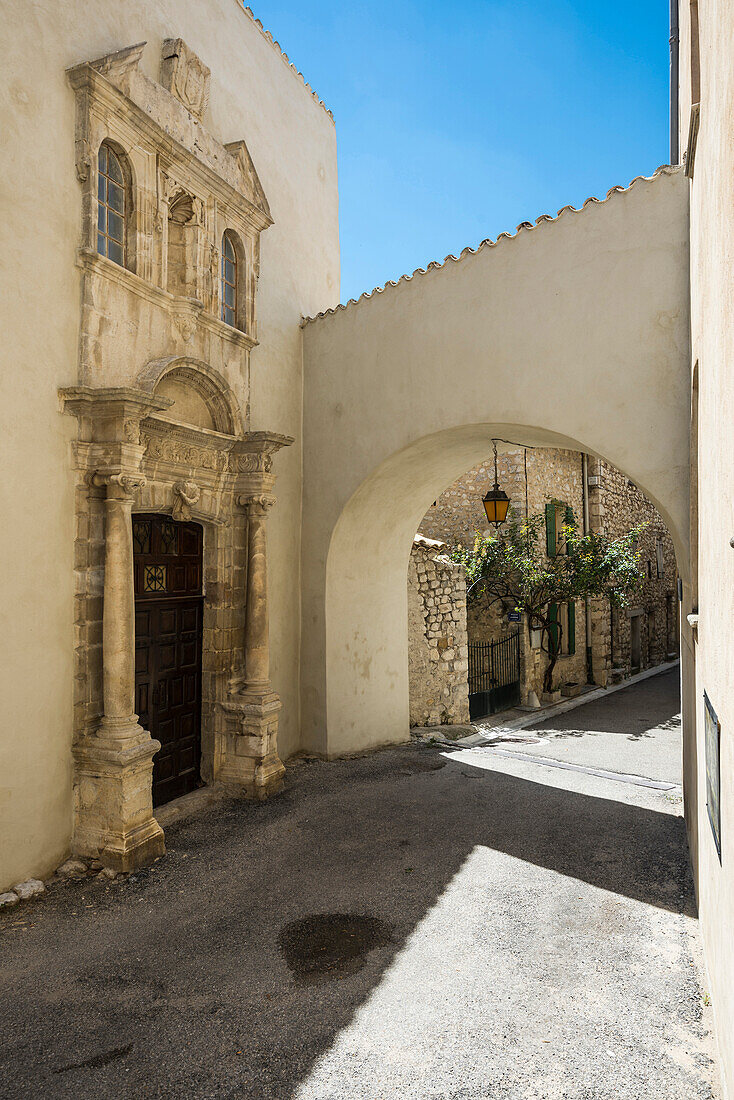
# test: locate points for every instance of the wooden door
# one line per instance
(168, 632)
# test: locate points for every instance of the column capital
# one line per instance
(256, 504)
(252, 462)
(120, 485)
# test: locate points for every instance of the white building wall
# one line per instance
(257, 96)
(712, 337)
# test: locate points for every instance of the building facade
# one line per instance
(187, 177)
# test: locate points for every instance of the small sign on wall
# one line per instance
(514, 616)
(713, 770)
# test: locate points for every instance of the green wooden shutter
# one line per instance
(553, 629)
(571, 627)
(550, 529)
(569, 520)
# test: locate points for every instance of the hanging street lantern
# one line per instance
(496, 502)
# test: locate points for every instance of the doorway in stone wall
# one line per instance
(168, 641)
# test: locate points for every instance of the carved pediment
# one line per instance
(250, 183)
(116, 66)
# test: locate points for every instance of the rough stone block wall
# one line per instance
(458, 515)
(531, 477)
(616, 505)
(437, 640)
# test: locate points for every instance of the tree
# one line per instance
(519, 568)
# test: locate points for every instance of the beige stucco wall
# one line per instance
(404, 389)
(712, 325)
(255, 95)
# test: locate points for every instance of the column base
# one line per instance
(249, 761)
(113, 801)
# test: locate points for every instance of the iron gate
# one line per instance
(494, 676)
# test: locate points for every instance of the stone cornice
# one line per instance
(185, 310)
(266, 443)
(111, 414)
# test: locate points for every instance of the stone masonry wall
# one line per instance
(615, 505)
(437, 639)
(530, 477)
(458, 515)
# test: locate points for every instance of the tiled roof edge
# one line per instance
(489, 243)
(266, 34)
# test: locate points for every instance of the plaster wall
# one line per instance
(526, 340)
(712, 338)
(257, 96)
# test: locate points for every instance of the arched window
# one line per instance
(111, 206)
(229, 281)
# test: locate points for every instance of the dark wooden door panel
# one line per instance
(168, 632)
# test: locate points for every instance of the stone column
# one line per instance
(118, 615)
(257, 622)
(250, 759)
(114, 807)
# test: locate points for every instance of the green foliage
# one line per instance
(513, 567)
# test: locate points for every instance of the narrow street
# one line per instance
(422, 923)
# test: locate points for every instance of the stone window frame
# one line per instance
(242, 310)
(130, 205)
(146, 122)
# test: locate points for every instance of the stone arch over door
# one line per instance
(572, 334)
(132, 455)
(200, 395)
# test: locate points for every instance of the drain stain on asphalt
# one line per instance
(423, 765)
(330, 945)
(97, 1060)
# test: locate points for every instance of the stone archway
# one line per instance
(573, 333)
(198, 393)
(366, 689)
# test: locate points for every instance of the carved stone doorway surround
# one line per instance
(130, 457)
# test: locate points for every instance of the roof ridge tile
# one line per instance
(268, 35)
(489, 243)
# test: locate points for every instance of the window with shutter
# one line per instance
(571, 639)
(550, 529)
(553, 632)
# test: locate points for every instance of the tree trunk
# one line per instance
(548, 675)
(554, 633)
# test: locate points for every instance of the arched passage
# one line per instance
(366, 601)
(573, 334)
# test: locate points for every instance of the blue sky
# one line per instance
(457, 121)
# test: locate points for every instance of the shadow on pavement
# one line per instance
(178, 982)
(631, 712)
